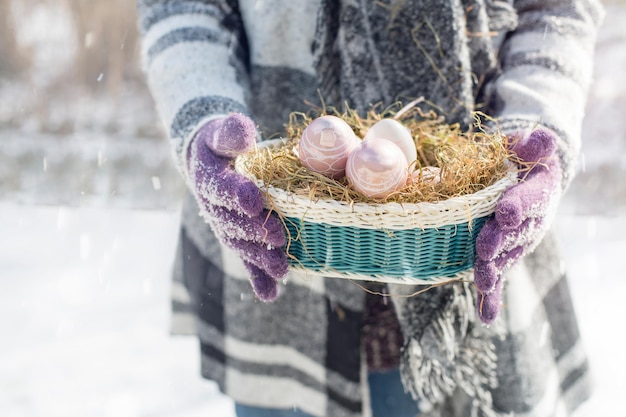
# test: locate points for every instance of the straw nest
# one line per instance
(469, 160)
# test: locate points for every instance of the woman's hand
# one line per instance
(233, 205)
(522, 216)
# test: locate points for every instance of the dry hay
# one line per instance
(469, 160)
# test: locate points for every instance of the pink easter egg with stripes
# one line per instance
(377, 168)
(325, 145)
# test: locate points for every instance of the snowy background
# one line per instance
(89, 205)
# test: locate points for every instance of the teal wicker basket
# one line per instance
(422, 243)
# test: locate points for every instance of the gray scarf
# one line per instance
(372, 52)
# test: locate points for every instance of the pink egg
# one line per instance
(377, 168)
(396, 132)
(325, 145)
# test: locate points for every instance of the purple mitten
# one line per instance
(522, 215)
(233, 205)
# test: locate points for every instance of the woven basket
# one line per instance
(422, 243)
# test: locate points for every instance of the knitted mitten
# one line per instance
(522, 216)
(233, 205)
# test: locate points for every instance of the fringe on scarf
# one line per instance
(446, 348)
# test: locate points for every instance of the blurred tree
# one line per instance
(107, 42)
(14, 60)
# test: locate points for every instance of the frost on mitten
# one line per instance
(522, 216)
(233, 205)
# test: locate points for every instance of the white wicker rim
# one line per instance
(393, 216)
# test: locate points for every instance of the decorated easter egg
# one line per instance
(325, 145)
(428, 175)
(377, 168)
(396, 132)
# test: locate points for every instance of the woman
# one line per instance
(325, 347)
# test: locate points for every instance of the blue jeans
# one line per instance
(387, 397)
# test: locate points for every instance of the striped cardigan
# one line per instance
(525, 62)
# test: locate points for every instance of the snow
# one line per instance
(84, 290)
(85, 314)
(592, 247)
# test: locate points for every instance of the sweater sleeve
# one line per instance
(194, 54)
(546, 71)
